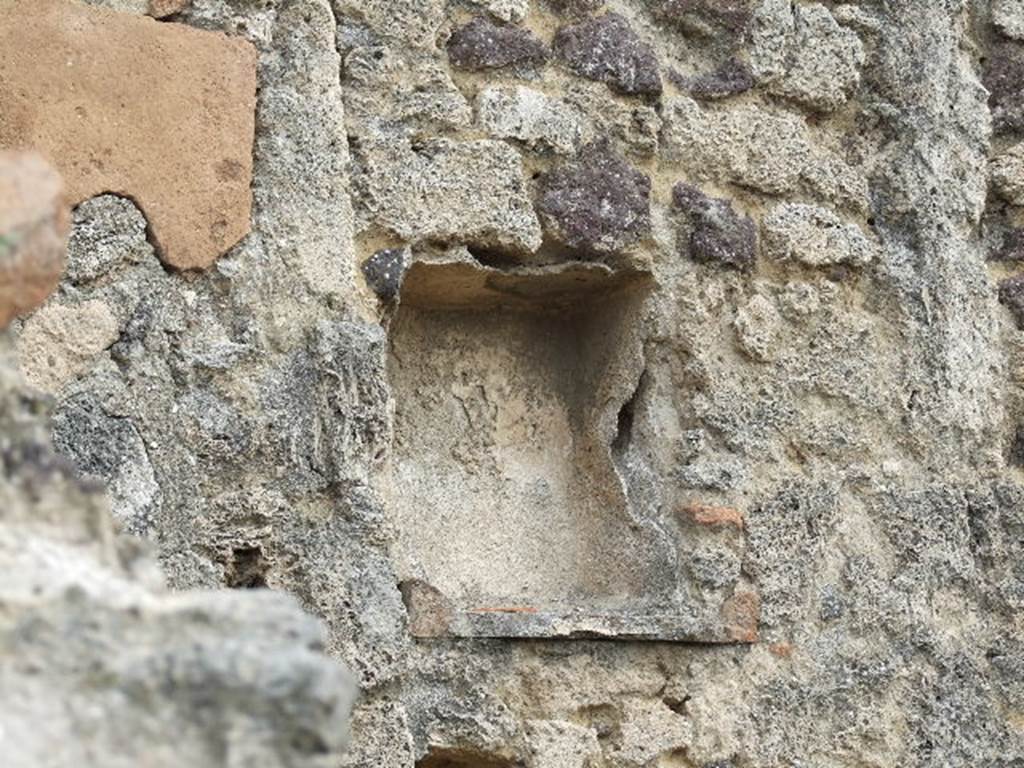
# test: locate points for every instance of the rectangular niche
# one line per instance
(512, 519)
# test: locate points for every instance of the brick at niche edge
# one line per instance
(741, 615)
(120, 103)
(714, 516)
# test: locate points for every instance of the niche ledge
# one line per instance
(512, 518)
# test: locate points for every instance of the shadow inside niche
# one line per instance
(247, 569)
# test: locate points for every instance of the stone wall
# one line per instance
(100, 665)
(626, 385)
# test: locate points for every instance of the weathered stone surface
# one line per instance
(803, 53)
(385, 270)
(1008, 174)
(177, 104)
(109, 232)
(815, 237)
(108, 449)
(766, 150)
(559, 744)
(163, 8)
(1008, 16)
(576, 8)
(482, 44)
(1011, 295)
(406, 23)
(597, 203)
(158, 9)
(706, 17)
(542, 122)
(635, 127)
(771, 33)
(33, 229)
(303, 210)
(732, 77)
(61, 341)
(122, 672)
(420, 93)
(823, 63)
(454, 191)
(717, 234)
(608, 50)
(1004, 79)
(505, 10)
(1011, 247)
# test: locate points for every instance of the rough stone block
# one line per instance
(1003, 76)
(766, 150)
(482, 44)
(814, 236)
(505, 10)
(1007, 170)
(732, 77)
(598, 203)
(471, 192)
(635, 127)
(706, 17)
(388, 86)
(1008, 16)
(61, 341)
(607, 49)
(1011, 248)
(824, 61)
(401, 23)
(539, 120)
(1011, 295)
(109, 232)
(109, 449)
(717, 233)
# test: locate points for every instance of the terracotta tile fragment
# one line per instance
(782, 650)
(430, 612)
(741, 614)
(161, 113)
(34, 221)
(707, 514)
